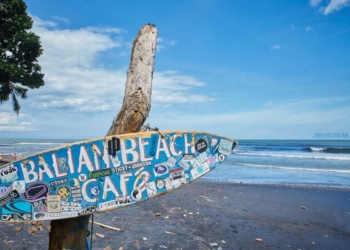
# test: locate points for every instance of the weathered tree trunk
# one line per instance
(138, 87)
(71, 233)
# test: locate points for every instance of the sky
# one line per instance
(242, 69)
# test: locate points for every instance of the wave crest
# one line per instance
(330, 150)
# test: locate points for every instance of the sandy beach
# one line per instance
(213, 215)
(5, 159)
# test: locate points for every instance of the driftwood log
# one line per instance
(71, 233)
(138, 87)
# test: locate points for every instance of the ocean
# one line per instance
(310, 163)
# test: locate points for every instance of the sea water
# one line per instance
(323, 163)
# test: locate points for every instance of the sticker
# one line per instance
(116, 162)
(188, 157)
(62, 163)
(4, 190)
(177, 177)
(64, 192)
(52, 216)
(160, 183)
(123, 200)
(137, 194)
(17, 209)
(221, 157)
(41, 208)
(53, 203)
(114, 203)
(99, 173)
(95, 191)
(213, 142)
(200, 170)
(201, 146)
(20, 186)
(82, 177)
(132, 166)
(160, 169)
(171, 162)
(176, 174)
(6, 217)
(74, 182)
(212, 159)
(8, 174)
(185, 164)
(58, 182)
(36, 192)
(200, 159)
(89, 210)
(76, 193)
(70, 206)
(151, 189)
(39, 216)
(9, 197)
(225, 147)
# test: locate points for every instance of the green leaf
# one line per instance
(19, 52)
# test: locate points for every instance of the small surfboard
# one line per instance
(106, 173)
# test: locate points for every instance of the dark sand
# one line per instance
(5, 159)
(227, 216)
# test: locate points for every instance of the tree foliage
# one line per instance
(19, 51)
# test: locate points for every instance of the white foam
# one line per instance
(296, 168)
(39, 143)
(317, 149)
(344, 157)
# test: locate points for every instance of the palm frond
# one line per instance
(15, 103)
(20, 91)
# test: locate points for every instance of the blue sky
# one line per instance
(244, 69)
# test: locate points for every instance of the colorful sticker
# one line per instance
(36, 192)
(8, 174)
(225, 147)
(64, 192)
(160, 169)
(53, 203)
(201, 146)
(151, 189)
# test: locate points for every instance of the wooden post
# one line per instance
(71, 233)
(138, 87)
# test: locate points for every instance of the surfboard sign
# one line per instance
(106, 173)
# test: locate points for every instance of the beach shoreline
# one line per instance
(210, 215)
(5, 158)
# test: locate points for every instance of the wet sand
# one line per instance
(211, 215)
(5, 159)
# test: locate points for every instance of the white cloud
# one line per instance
(289, 119)
(275, 47)
(171, 87)
(333, 5)
(315, 3)
(12, 122)
(106, 30)
(308, 28)
(71, 47)
(62, 19)
(41, 23)
(6, 118)
(163, 43)
(79, 85)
